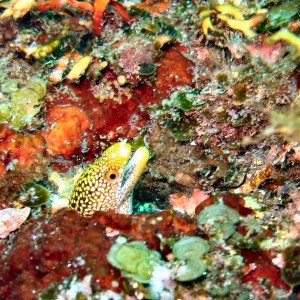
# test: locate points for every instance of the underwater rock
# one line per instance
(55, 247)
(110, 119)
(176, 64)
(238, 203)
(282, 14)
(264, 269)
(11, 219)
(253, 181)
(197, 45)
(135, 56)
(23, 158)
(270, 53)
(291, 270)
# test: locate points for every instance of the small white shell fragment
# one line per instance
(11, 219)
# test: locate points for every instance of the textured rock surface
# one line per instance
(52, 248)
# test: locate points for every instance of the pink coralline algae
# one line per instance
(134, 53)
(11, 219)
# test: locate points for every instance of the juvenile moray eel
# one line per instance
(107, 183)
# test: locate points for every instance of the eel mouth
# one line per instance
(133, 171)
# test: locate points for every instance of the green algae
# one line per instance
(183, 130)
(174, 110)
(190, 248)
(218, 220)
(216, 213)
(147, 69)
(184, 99)
(135, 260)
(5, 113)
(34, 195)
(189, 251)
(24, 103)
(190, 270)
(282, 14)
(10, 85)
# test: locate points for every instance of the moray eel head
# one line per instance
(108, 182)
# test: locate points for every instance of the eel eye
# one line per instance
(112, 176)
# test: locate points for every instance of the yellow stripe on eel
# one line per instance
(107, 183)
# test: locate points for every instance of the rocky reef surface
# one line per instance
(211, 88)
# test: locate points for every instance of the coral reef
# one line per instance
(52, 261)
(208, 91)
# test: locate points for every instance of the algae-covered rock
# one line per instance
(37, 85)
(282, 14)
(10, 85)
(5, 113)
(26, 103)
(184, 99)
